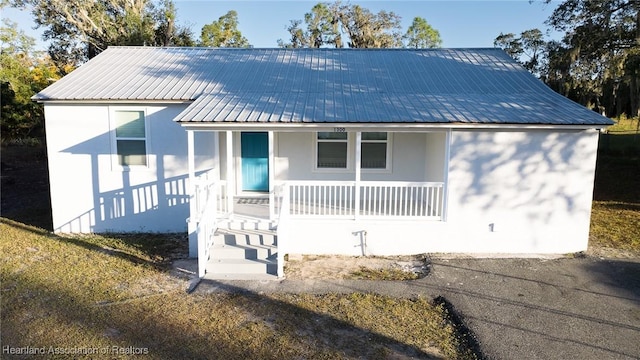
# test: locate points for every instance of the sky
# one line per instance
(470, 23)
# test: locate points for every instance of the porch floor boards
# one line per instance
(252, 206)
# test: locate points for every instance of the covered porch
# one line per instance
(267, 180)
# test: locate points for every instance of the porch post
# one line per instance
(272, 214)
(216, 155)
(445, 190)
(192, 223)
(230, 172)
(358, 165)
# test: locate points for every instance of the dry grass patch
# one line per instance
(114, 293)
(365, 273)
(394, 268)
(615, 225)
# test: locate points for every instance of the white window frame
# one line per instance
(388, 142)
(349, 142)
(351, 139)
(115, 163)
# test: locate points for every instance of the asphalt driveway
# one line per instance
(583, 308)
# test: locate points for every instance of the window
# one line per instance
(374, 150)
(332, 150)
(131, 144)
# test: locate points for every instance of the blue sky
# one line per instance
(472, 23)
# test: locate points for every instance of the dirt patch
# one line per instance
(299, 267)
(610, 253)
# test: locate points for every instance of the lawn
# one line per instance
(112, 296)
(615, 216)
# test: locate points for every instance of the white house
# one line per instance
(332, 151)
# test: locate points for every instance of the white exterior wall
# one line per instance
(295, 159)
(91, 194)
(508, 192)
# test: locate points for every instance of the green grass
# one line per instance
(622, 138)
(624, 125)
(615, 215)
(101, 292)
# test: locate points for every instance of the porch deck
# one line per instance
(290, 201)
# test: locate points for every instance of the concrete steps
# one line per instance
(243, 252)
(246, 223)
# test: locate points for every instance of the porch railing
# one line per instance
(209, 197)
(374, 199)
(282, 202)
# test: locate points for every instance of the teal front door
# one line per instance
(255, 161)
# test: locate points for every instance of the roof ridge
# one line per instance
(295, 49)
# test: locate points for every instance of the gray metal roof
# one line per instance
(325, 85)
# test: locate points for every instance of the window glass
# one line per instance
(332, 155)
(130, 124)
(332, 135)
(130, 132)
(374, 136)
(132, 152)
(374, 156)
(373, 150)
(332, 150)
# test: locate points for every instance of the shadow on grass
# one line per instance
(279, 329)
(322, 331)
(156, 250)
(615, 205)
(175, 325)
(24, 179)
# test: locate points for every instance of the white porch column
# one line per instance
(216, 155)
(230, 172)
(445, 190)
(272, 161)
(193, 209)
(358, 165)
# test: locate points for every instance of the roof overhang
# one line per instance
(112, 102)
(391, 127)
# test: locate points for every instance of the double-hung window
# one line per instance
(131, 141)
(332, 150)
(374, 147)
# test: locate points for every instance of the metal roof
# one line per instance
(325, 85)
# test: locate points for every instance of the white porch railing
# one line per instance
(282, 202)
(376, 199)
(210, 203)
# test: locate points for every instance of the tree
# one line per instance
(602, 39)
(510, 44)
(368, 30)
(528, 48)
(80, 29)
(421, 35)
(328, 23)
(322, 28)
(223, 32)
(533, 45)
(23, 72)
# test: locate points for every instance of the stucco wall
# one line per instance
(90, 194)
(409, 159)
(508, 192)
(534, 187)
